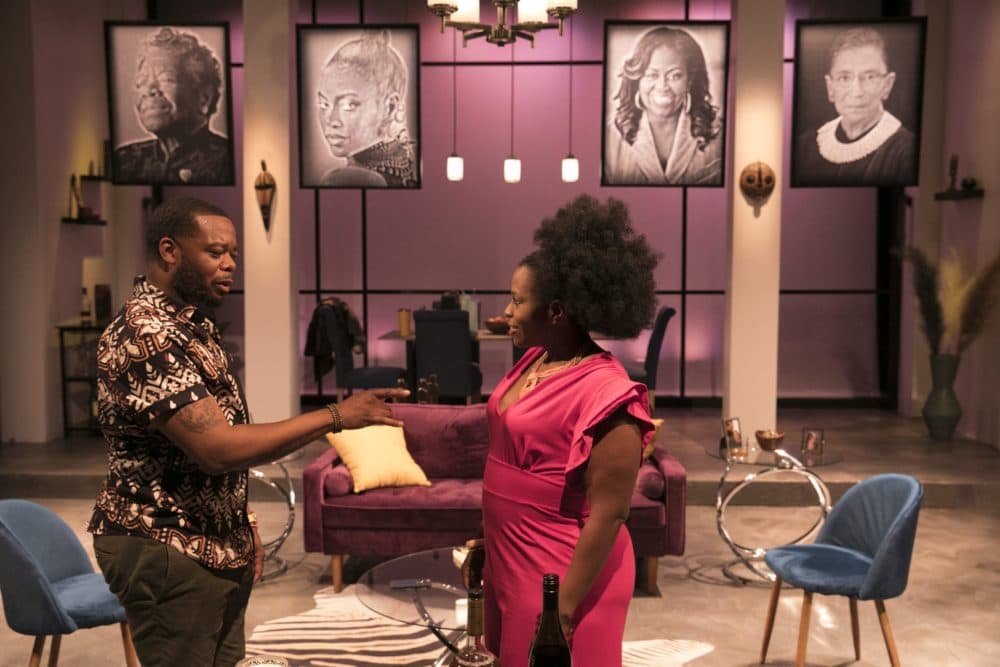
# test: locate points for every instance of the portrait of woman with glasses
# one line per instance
(872, 139)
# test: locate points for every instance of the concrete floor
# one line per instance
(947, 616)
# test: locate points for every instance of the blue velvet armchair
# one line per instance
(863, 552)
(48, 584)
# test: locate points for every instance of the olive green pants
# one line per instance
(180, 612)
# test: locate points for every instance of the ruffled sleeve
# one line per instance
(609, 391)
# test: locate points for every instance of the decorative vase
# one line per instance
(941, 411)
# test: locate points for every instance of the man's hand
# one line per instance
(369, 407)
(258, 554)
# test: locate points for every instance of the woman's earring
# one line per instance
(687, 102)
(638, 101)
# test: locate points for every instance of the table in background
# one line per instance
(481, 336)
(431, 606)
(78, 375)
(274, 565)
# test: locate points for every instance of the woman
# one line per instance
(567, 428)
(864, 144)
(362, 109)
(665, 130)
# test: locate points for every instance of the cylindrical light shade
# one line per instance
(512, 170)
(455, 168)
(467, 12)
(561, 4)
(570, 169)
(531, 11)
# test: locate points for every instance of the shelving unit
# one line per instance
(78, 373)
(957, 195)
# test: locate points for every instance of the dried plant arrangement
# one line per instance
(955, 305)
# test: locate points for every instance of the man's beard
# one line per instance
(191, 287)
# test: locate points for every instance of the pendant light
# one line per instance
(570, 165)
(512, 166)
(455, 167)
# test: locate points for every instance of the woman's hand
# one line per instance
(258, 554)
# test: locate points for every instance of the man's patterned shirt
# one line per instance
(157, 356)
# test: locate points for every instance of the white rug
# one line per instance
(342, 632)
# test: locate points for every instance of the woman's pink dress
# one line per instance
(534, 506)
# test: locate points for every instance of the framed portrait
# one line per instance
(359, 106)
(169, 103)
(664, 103)
(856, 103)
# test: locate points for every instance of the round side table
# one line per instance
(752, 557)
(274, 565)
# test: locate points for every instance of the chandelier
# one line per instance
(532, 16)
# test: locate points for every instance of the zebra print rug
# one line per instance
(341, 632)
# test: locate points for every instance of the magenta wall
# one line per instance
(469, 235)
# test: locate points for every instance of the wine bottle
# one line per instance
(549, 647)
(84, 307)
(474, 653)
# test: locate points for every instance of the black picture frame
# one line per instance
(823, 154)
(628, 154)
(205, 156)
(352, 161)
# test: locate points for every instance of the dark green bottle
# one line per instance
(549, 647)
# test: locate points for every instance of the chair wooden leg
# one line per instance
(772, 608)
(800, 652)
(649, 566)
(855, 629)
(890, 643)
(54, 650)
(337, 572)
(36, 652)
(131, 659)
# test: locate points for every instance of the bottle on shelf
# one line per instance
(549, 647)
(474, 653)
(432, 388)
(423, 394)
(401, 384)
(85, 319)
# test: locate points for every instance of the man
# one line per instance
(865, 144)
(172, 533)
(178, 84)
(361, 100)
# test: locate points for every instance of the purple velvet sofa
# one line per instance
(450, 443)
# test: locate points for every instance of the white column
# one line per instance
(751, 337)
(271, 352)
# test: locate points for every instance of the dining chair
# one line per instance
(348, 376)
(48, 584)
(863, 552)
(646, 374)
(444, 346)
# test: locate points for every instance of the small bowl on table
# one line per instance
(769, 440)
(496, 325)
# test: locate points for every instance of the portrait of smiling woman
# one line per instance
(871, 75)
(664, 103)
(358, 102)
(169, 104)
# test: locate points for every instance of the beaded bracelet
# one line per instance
(338, 423)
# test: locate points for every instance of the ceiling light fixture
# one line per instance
(532, 16)
(455, 167)
(570, 165)
(512, 166)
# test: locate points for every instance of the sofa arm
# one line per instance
(313, 477)
(675, 477)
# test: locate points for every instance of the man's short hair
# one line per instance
(197, 61)
(176, 218)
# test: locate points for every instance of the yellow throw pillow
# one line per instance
(376, 456)
(648, 450)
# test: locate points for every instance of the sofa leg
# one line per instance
(337, 572)
(648, 566)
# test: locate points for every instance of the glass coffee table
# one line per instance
(421, 588)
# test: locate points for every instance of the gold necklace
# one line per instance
(534, 376)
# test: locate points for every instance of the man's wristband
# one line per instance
(338, 423)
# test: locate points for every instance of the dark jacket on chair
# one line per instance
(330, 313)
